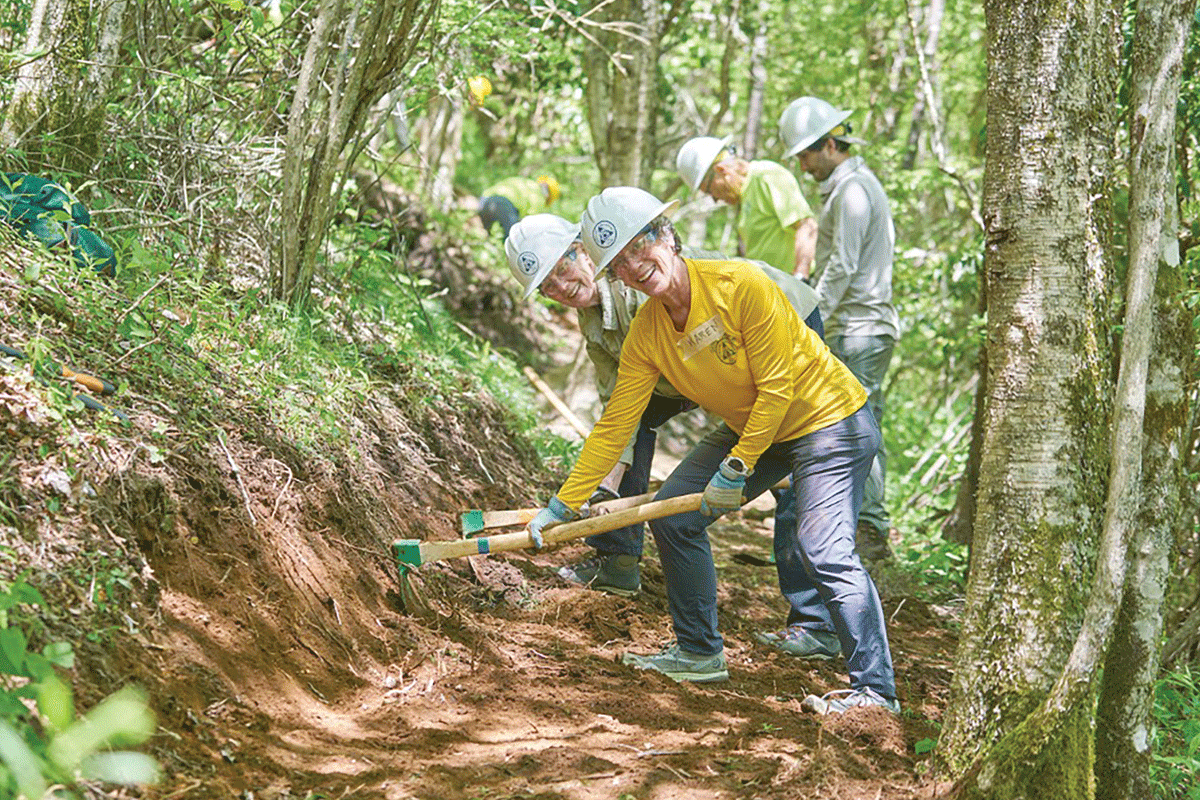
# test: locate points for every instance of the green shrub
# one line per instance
(1175, 764)
(41, 740)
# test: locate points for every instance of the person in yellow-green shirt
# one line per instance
(774, 221)
(508, 200)
(725, 336)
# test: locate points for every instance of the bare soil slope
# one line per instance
(262, 610)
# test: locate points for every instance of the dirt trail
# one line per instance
(285, 666)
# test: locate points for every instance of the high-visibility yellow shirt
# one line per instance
(525, 193)
(744, 355)
(770, 207)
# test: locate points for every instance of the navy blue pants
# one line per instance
(829, 470)
(628, 541)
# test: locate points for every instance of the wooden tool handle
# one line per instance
(475, 521)
(90, 382)
(555, 534)
(556, 401)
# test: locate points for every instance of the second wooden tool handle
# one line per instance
(554, 534)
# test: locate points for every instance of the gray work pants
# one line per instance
(868, 357)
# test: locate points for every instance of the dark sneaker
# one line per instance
(615, 574)
(681, 665)
(842, 700)
(872, 544)
(796, 641)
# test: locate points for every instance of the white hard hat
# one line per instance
(807, 119)
(696, 156)
(535, 244)
(616, 215)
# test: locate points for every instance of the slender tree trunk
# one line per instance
(354, 56)
(758, 82)
(935, 11)
(1127, 697)
(439, 132)
(1044, 456)
(622, 90)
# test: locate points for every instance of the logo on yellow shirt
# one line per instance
(726, 349)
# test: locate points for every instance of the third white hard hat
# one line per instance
(616, 215)
(535, 244)
(696, 156)
(807, 119)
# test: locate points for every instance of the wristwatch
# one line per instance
(737, 465)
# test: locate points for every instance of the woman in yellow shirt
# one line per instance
(725, 336)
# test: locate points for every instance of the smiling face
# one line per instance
(571, 282)
(650, 264)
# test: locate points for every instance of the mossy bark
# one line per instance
(1123, 717)
(1044, 454)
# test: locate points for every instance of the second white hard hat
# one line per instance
(616, 215)
(696, 156)
(535, 244)
(807, 119)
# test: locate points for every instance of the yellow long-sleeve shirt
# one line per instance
(744, 355)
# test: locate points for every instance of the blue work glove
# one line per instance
(555, 511)
(724, 491)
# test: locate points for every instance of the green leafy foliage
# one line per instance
(1175, 765)
(42, 742)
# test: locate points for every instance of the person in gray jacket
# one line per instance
(853, 267)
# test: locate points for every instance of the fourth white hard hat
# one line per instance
(696, 156)
(534, 245)
(616, 215)
(807, 119)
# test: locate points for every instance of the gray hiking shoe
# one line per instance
(842, 700)
(796, 641)
(872, 545)
(680, 665)
(615, 574)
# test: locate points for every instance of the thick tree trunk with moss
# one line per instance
(1124, 712)
(1044, 457)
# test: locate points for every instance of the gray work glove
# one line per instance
(724, 491)
(555, 512)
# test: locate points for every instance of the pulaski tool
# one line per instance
(412, 553)
(476, 520)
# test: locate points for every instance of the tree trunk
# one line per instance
(622, 91)
(1127, 696)
(353, 57)
(927, 59)
(1044, 456)
(439, 133)
(55, 115)
(758, 82)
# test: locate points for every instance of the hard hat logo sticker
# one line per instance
(605, 233)
(528, 262)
